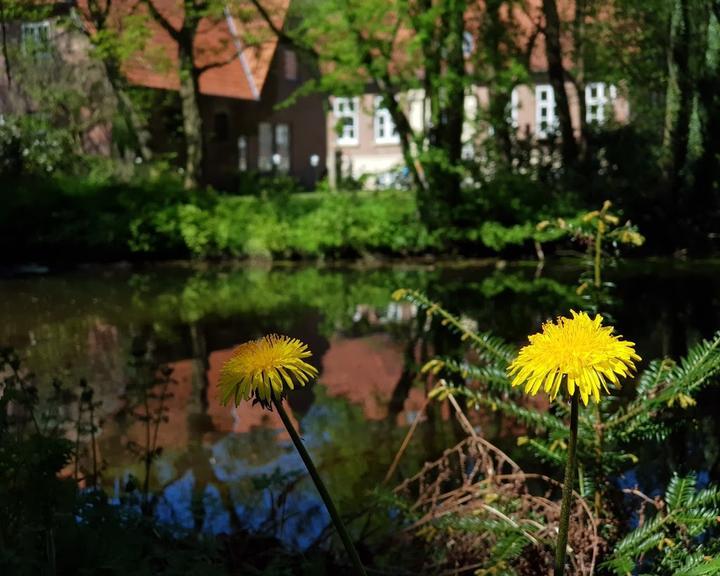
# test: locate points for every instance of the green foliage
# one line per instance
(157, 218)
(671, 540)
(33, 145)
(663, 388)
(49, 525)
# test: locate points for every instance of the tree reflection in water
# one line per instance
(219, 470)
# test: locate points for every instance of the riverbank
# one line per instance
(57, 221)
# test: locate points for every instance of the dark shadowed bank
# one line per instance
(70, 220)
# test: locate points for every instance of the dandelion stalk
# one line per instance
(581, 356)
(320, 485)
(260, 370)
(567, 490)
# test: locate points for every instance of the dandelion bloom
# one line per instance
(260, 368)
(579, 349)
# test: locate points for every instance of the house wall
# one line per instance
(305, 119)
(367, 157)
(66, 67)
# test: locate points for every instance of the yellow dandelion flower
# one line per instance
(579, 350)
(262, 367)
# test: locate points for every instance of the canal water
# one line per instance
(220, 469)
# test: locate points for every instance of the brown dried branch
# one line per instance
(476, 479)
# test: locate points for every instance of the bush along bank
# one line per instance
(66, 220)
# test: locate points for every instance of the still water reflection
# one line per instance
(220, 469)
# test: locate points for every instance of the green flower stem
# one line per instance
(337, 521)
(567, 490)
(598, 255)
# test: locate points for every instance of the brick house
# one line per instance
(361, 137)
(239, 91)
(56, 57)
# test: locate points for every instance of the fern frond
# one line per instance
(663, 383)
(653, 375)
(689, 513)
(546, 454)
(680, 491)
(490, 375)
(488, 347)
(701, 566)
(530, 417)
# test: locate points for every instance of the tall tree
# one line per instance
(113, 42)
(558, 76)
(404, 50)
(194, 14)
(189, 75)
(506, 37)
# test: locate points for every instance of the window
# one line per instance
(597, 98)
(468, 43)
(281, 158)
(35, 36)
(515, 108)
(273, 147)
(265, 134)
(242, 153)
(385, 132)
(221, 128)
(545, 117)
(291, 65)
(345, 111)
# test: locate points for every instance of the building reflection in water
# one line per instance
(224, 467)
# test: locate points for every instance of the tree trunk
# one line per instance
(440, 200)
(704, 194)
(136, 124)
(579, 71)
(499, 90)
(192, 120)
(5, 54)
(500, 101)
(679, 98)
(455, 106)
(556, 72)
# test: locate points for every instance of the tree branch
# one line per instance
(160, 19)
(280, 32)
(218, 64)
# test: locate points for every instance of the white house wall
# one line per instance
(368, 157)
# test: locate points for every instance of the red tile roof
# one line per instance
(236, 47)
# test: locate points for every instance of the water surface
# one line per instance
(221, 468)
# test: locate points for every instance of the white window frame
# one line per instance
(282, 147)
(468, 44)
(515, 108)
(383, 125)
(597, 104)
(30, 34)
(545, 111)
(341, 111)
